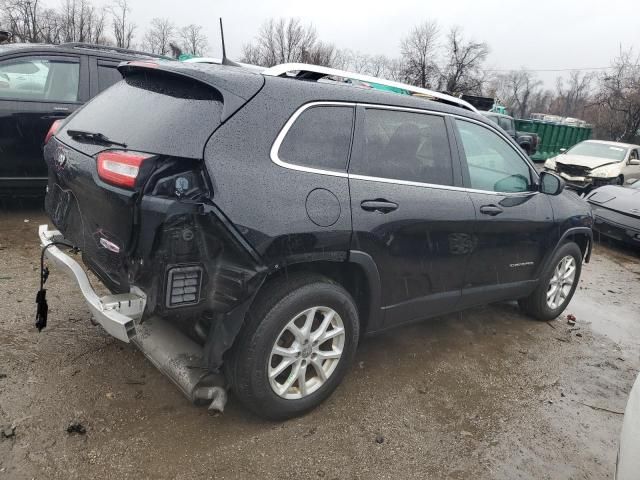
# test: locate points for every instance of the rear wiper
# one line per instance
(93, 136)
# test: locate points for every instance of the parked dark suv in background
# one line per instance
(260, 224)
(39, 84)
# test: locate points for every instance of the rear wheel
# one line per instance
(557, 285)
(301, 336)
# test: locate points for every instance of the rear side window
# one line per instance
(40, 79)
(405, 146)
(154, 112)
(493, 164)
(107, 76)
(319, 138)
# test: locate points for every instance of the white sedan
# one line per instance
(594, 163)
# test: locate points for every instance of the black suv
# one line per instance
(259, 226)
(39, 84)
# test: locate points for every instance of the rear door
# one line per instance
(513, 218)
(409, 213)
(36, 91)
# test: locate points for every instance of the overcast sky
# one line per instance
(539, 35)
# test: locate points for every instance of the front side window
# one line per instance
(39, 79)
(319, 138)
(406, 146)
(493, 164)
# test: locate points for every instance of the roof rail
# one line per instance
(109, 48)
(315, 72)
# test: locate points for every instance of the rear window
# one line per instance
(154, 112)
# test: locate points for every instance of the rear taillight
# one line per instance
(120, 168)
(55, 126)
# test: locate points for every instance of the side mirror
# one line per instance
(551, 184)
(563, 150)
(634, 161)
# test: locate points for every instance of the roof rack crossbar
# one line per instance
(110, 48)
(302, 68)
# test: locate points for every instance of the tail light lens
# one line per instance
(120, 168)
(55, 126)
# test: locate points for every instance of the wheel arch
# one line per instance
(358, 275)
(582, 236)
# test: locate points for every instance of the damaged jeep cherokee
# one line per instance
(252, 227)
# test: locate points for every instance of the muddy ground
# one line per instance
(487, 393)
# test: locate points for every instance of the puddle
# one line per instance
(619, 323)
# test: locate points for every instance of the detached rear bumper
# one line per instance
(115, 313)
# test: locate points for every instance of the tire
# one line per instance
(620, 181)
(251, 359)
(537, 305)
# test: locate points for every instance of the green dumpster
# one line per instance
(553, 136)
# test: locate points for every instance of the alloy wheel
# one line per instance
(306, 353)
(561, 283)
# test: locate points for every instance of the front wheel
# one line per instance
(301, 336)
(557, 285)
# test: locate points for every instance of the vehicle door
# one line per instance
(104, 73)
(631, 168)
(513, 218)
(38, 90)
(409, 212)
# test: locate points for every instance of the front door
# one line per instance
(34, 92)
(514, 221)
(407, 212)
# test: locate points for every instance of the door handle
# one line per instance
(55, 116)
(379, 205)
(492, 210)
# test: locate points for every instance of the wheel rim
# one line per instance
(306, 353)
(561, 283)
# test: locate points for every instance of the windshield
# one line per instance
(600, 150)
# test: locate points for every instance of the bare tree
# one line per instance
(541, 101)
(516, 91)
(572, 96)
(281, 41)
(22, 19)
(374, 65)
(51, 26)
(325, 54)
(462, 70)
(80, 21)
(194, 40)
(618, 98)
(123, 28)
(159, 36)
(419, 54)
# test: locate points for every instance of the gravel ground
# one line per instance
(487, 393)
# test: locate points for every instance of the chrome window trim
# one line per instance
(285, 129)
(275, 158)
